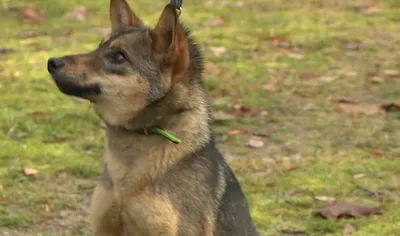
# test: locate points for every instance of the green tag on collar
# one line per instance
(164, 133)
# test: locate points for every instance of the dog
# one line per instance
(163, 174)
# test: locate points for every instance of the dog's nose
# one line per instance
(55, 64)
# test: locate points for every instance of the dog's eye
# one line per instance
(119, 57)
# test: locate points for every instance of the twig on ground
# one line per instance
(370, 191)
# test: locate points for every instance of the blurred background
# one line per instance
(305, 97)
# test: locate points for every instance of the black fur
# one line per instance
(73, 89)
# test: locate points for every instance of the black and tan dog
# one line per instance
(163, 174)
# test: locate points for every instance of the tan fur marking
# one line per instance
(208, 225)
(123, 98)
(153, 215)
(104, 214)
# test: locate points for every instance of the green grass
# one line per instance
(311, 150)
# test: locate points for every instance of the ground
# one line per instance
(313, 78)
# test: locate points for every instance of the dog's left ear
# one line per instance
(170, 43)
(122, 15)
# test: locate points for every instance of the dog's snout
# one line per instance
(55, 64)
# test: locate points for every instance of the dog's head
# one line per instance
(133, 67)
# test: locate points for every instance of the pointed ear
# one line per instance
(122, 15)
(169, 41)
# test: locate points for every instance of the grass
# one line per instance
(307, 53)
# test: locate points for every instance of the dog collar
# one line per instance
(164, 133)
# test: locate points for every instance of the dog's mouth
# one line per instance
(68, 87)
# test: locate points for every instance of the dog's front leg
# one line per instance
(104, 213)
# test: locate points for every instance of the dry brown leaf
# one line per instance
(361, 109)
(240, 110)
(392, 106)
(377, 80)
(325, 198)
(280, 42)
(78, 13)
(334, 211)
(255, 142)
(30, 14)
(309, 75)
(222, 116)
(349, 229)
(29, 171)
(234, 132)
(391, 73)
(218, 51)
(292, 168)
(217, 21)
(271, 86)
(377, 151)
(341, 99)
(372, 10)
(36, 113)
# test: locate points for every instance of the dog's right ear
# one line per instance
(121, 15)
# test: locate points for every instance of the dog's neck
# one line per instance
(139, 153)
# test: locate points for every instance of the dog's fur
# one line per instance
(140, 78)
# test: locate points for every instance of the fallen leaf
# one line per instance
(47, 208)
(361, 109)
(218, 51)
(319, 4)
(271, 86)
(261, 173)
(17, 73)
(336, 210)
(310, 75)
(325, 198)
(240, 3)
(391, 73)
(392, 106)
(29, 171)
(255, 142)
(348, 229)
(240, 110)
(235, 132)
(36, 113)
(377, 80)
(376, 151)
(280, 42)
(341, 99)
(357, 176)
(291, 168)
(30, 14)
(372, 10)
(217, 21)
(78, 13)
(222, 116)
